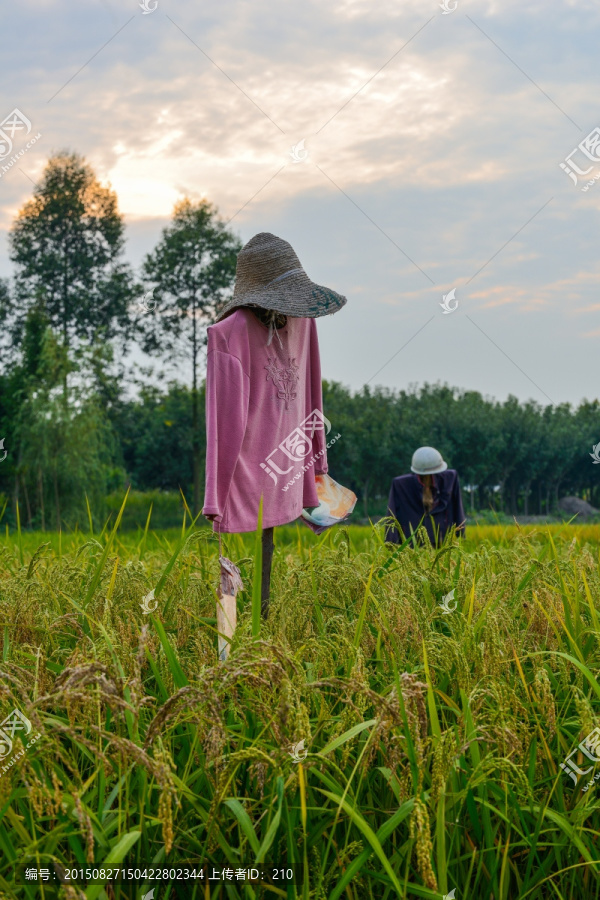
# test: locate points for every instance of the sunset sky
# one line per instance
(432, 151)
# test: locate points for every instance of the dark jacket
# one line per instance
(406, 505)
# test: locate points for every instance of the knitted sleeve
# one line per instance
(227, 398)
(315, 400)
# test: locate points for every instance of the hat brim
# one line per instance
(441, 468)
(296, 296)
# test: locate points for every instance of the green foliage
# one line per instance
(490, 443)
(433, 740)
(532, 454)
(72, 293)
(64, 450)
(65, 243)
(165, 509)
(155, 437)
(191, 269)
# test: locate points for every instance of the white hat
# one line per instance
(427, 461)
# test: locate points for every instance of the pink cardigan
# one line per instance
(264, 422)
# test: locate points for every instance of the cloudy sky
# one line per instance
(431, 162)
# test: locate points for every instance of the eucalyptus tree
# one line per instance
(191, 271)
(66, 243)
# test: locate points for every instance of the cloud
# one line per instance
(433, 141)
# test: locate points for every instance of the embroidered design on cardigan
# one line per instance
(285, 378)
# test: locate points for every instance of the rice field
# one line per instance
(382, 741)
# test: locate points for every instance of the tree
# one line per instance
(586, 474)
(567, 447)
(155, 436)
(66, 242)
(370, 432)
(519, 451)
(473, 442)
(529, 450)
(191, 270)
(5, 310)
(64, 451)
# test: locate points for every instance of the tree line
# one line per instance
(512, 456)
(77, 423)
(70, 314)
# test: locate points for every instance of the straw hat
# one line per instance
(270, 275)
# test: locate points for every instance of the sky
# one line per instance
(407, 151)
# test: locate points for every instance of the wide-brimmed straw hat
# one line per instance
(270, 275)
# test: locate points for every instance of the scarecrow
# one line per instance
(265, 428)
(430, 497)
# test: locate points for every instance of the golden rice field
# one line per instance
(432, 735)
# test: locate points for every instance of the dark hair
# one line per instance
(267, 315)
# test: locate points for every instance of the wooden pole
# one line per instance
(226, 622)
(230, 583)
(267, 558)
